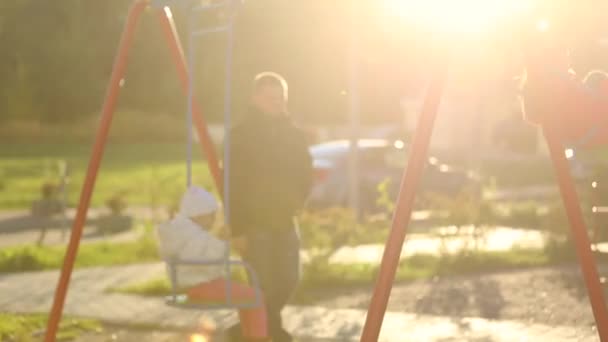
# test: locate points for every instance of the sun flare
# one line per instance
(455, 16)
(198, 338)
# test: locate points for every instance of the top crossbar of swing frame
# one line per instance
(193, 6)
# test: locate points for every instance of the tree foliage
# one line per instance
(56, 58)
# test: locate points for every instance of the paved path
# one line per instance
(32, 292)
(57, 237)
(19, 227)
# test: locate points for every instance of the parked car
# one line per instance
(378, 160)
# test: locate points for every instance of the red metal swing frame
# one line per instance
(167, 24)
(411, 179)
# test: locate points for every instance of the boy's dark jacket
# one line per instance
(270, 173)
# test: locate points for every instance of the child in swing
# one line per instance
(187, 238)
(572, 109)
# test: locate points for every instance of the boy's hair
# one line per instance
(269, 78)
(595, 78)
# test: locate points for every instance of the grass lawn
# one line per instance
(320, 276)
(149, 173)
(24, 328)
(37, 258)
(155, 172)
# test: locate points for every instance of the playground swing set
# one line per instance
(585, 126)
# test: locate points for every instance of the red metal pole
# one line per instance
(579, 233)
(177, 53)
(118, 71)
(403, 212)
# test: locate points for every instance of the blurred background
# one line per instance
(57, 58)
(357, 70)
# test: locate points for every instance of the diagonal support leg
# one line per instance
(177, 53)
(579, 234)
(403, 212)
(109, 105)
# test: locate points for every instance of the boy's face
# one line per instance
(205, 221)
(270, 100)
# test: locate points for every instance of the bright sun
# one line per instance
(456, 16)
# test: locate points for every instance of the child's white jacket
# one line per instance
(183, 239)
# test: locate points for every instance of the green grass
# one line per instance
(23, 328)
(37, 258)
(150, 174)
(423, 266)
(162, 287)
(154, 287)
(320, 275)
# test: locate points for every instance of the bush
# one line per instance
(117, 203)
(49, 190)
(384, 199)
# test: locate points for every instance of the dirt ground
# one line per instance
(551, 296)
(130, 335)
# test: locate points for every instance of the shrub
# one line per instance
(117, 203)
(326, 231)
(49, 190)
(384, 200)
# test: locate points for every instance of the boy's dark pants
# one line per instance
(275, 258)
